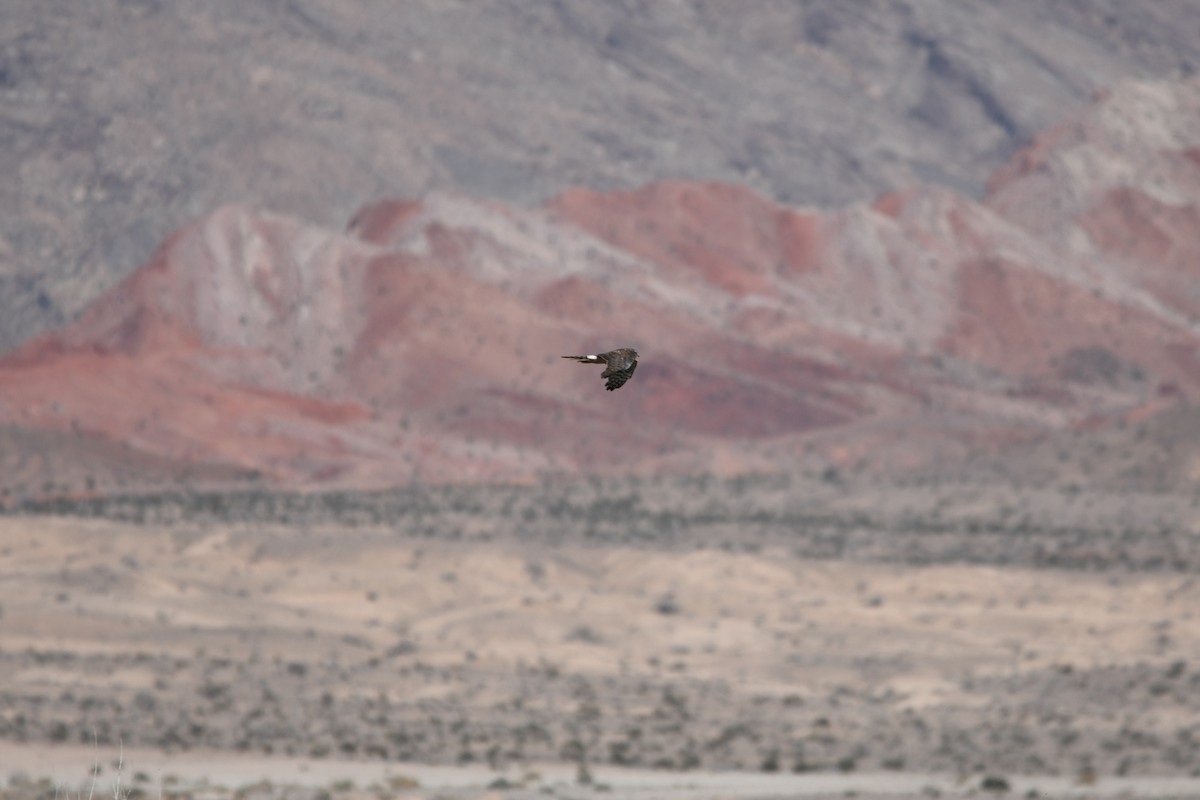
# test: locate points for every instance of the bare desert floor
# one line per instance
(498, 644)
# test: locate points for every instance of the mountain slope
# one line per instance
(424, 341)
(123, 119)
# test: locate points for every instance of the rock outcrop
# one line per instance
(423, 342)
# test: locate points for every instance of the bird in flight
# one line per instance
(619, 368)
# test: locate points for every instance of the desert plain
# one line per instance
(755, 636)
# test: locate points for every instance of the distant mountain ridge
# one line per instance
(423, 342)
(121, 120)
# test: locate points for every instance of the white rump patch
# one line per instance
(594, 358)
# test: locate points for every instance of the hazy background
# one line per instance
(904, 486)
(123, 119)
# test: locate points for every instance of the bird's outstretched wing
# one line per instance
(617, 378)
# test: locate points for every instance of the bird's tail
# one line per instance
(586, 359)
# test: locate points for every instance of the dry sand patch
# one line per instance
(327, 640)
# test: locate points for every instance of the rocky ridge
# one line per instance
(422, 342)
(123, 119)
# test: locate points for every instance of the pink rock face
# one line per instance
(424, 342)
(1119, 183)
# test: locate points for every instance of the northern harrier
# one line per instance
(620, 365)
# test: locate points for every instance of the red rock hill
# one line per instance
(424, 341)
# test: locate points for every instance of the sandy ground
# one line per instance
(315, 654)
(77, 770)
